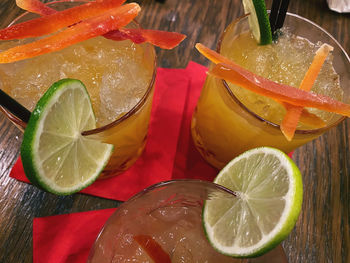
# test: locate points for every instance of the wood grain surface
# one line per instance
(322, 231)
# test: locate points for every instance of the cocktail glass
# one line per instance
(169, 213)
(223, 126)
(126, 131)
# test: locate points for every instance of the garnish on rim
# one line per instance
(52, 21)
(276, 91)
(306, 117)
(269, 192)
(291, 119)
(89, 28)
(55, 156)
(230, 71)
(162, 39)
(258, 20)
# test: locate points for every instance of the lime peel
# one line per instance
(258, 19)
(218, 231)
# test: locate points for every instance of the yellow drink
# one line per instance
(119, 76)
(229, 120)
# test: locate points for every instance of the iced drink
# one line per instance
(229, 120)
(119, 76)
(169, 217)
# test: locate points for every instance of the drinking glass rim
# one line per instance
(261, 119)
(177, 181)
(134, 109)
(171, 182)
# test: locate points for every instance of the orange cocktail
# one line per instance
(119, 76)
(229, 120)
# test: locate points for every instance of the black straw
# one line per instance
(14, 107)
(278, 14)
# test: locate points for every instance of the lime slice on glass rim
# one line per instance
(258, 20)
(55, 156)
(269, 198)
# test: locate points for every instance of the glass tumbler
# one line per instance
(223, 126)
(128, 131)
(168, 218)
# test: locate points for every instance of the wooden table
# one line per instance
(322, 231)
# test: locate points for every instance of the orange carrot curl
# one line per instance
(291, 119)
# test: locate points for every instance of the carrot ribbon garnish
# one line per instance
(153, 249)
(48, 24)
(306, 117)
(230, 71)
(281, 92)
(162, 39)
(89, 28)
(291, 119)
(35, 6)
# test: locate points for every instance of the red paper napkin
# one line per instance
(67, 238)
(156, 163)
(188, 162)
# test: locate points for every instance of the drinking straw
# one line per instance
(278, 14)
(14, 107)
